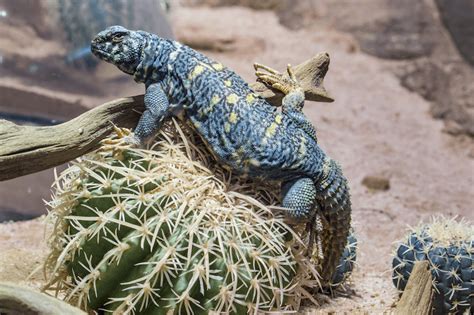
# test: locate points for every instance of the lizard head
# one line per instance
(119, 46)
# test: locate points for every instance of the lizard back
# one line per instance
(241, 128)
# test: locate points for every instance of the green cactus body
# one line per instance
(448, 246)
(151, 232)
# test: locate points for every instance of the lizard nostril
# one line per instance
(96, 40)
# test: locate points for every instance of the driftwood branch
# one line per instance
(418, 295)
(29, 149)
(16, 299)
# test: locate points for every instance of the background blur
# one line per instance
(402, 74)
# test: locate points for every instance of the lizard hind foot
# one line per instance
(285, 83)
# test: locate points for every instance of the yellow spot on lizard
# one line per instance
(278, 119)
(227, 127)
(270, 132)
(233, 118)
(232, 98)
(228, 83)
(214, 100)
(217, 66)
(250, 98)
(196, 71)
(302, 148)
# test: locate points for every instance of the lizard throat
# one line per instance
(150, 68)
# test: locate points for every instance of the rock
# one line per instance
(204, 41)
(20, 13)
(376, 182)
(395, 30)
(424, 77)
(257, 5)
(292, 14)
(453, 128)
(448, 85)
(405, 33)
(458, 17)
(74, 23)
(297, 14)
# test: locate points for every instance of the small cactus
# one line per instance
(448, 246)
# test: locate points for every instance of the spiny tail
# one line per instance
(335, 210)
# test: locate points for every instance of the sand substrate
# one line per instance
(374, 128)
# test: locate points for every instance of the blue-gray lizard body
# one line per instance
(243, 130)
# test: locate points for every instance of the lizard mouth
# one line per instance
(102, 54)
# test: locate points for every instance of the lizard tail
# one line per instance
(335, 210)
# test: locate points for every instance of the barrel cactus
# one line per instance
(152, 231)
(448, 246)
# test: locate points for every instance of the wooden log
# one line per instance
(29, 149)
(16, 299)
(418, 295)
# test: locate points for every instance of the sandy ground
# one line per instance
(375, 127)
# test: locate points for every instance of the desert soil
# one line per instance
(374, 128)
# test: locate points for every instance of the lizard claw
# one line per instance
(127, 141)
(122, 132)
(291, 73)
(124, 139)
(258, 66)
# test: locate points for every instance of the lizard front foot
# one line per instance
(124, 139)
(277, 80)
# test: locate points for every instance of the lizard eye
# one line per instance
(117, 38)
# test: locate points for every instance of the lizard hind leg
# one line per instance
(299, 198)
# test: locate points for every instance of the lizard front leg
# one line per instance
(293, 102)
(157, 105)
(156, 110)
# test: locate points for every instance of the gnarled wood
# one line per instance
(418, 295)
(28, 149)
(16, 299)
